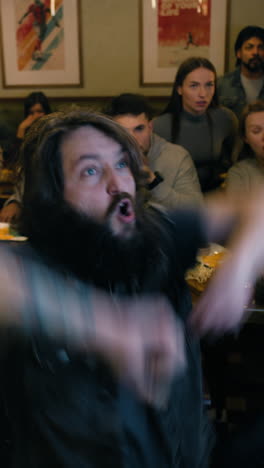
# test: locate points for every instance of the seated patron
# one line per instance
(35, 106)
(172, 178)
(194, 120)
(248, 172)
(245, 84)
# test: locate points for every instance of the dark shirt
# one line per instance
(69, 411)
(143, 443)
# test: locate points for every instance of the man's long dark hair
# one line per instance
(175, 106)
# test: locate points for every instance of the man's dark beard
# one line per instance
(254, 65)
(77, 244)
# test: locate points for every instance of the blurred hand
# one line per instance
(10, 212)
(140, 338)
(142, 341)
(222, 306)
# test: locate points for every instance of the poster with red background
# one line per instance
(183, 30)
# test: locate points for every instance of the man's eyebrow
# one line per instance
(97, 157)
(83, 157)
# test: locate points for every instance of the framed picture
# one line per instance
(40, 43)
(173, 30)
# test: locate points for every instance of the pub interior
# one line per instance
(110, 51)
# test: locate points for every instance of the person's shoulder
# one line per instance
(228, 78)
(242, 174)
(167, 145)
(228, 113)
(162, 126)
(228, 75)
(222, 113)
(244, 166)
(162, 119)
(248, 163)
(173, 153)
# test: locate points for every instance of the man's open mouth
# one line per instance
(125, 211)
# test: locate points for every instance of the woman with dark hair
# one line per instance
(248, 173)
(194, 120)
(35, 106)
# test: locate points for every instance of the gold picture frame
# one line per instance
(172, 31)
(40, 43)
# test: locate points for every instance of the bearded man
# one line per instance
(245, 84)
(85, 220)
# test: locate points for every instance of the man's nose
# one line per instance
(112, 183)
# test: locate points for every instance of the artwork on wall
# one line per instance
(174, 30)
(40, 43)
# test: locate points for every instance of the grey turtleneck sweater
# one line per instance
(211, 151)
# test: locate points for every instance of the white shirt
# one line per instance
(252, 87)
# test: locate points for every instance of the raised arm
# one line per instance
(223, 305)
(130, 335)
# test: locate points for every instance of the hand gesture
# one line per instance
(27, 122)
(142, 341)
(10, 212)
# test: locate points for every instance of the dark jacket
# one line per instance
(64, 408)
(231, 92)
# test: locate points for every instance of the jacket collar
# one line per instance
(236, 80)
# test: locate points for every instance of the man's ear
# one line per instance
(238, 54)
(150, 124)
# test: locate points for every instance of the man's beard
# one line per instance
(254, 65)
(90, 250)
